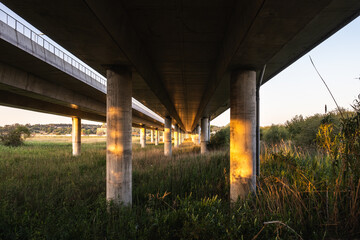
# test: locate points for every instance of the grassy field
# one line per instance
(45, 193)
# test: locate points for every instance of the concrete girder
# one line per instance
(129, 43)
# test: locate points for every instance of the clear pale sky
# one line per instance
(296, 90)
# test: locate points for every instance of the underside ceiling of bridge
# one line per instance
(181, 52)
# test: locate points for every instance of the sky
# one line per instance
(296, 90)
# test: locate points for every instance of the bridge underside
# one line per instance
(181, 53)
(187, 61)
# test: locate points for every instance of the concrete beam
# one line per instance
(167, 137)
(242, 134)
(119, 141)
(126, 38)
(60, 100)
(18, 101)
(30, 85)
(76, 136)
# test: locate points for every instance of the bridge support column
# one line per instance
(181, 136)
(76, 136)
(176, 136)
(143, 137)
(242, 134)
(167, 137)
(119, 144)
(197, 134)
(204, 134)
(156, 137)
(152, 136)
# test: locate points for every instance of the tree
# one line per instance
(14, 135)
(275, 134)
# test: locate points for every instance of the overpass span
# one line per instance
(188, 61)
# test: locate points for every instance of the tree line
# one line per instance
(54, 129)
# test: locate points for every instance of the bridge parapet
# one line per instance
(16, 33)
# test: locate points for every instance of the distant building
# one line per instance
(101, 131)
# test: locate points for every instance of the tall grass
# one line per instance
(45, 193)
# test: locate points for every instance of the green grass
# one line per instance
(45, 193)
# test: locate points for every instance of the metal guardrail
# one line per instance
(36, 38)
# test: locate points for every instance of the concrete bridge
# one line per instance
(36, 75)
(188, 61)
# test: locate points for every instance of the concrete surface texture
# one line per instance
(76, 136)
(242, 134)
(119, 142)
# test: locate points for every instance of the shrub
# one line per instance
(14, 135)
(221, 139)
(303, 131)
(275, 134)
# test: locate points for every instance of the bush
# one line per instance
(221, 139)
(275, 134)
(14, 135)
(303, 131)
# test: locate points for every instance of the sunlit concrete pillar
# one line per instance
(156, 137)
(76, 136)
(119, 121)
(204, 134)
(242, 134)
(167, 137)
(176, 136)
(143, 137)
(152, 136)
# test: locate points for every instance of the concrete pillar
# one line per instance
(143, 137)
(204, 134)
(167, 137)
(152, 136)
(242, 134)
(76, 136)
(176, 136)
(156, 137)
(209, 133)
(181, 136)
(198, 134)
(119, 144)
